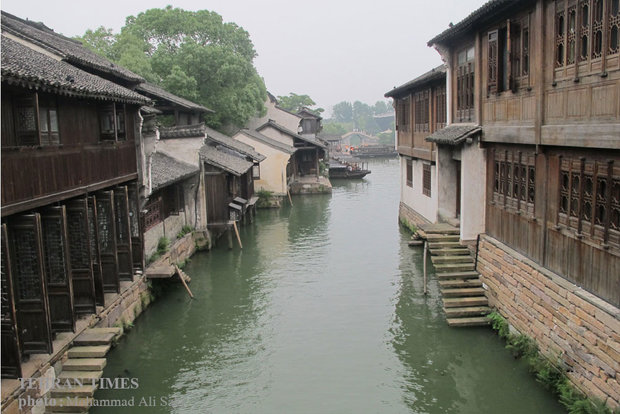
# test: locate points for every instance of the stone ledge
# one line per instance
(555, 278)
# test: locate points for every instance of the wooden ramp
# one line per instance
(464, 300)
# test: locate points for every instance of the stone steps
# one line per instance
(77, 377)
(90, 338)
(465, 302)
(454, 267)
(69, 405)
(466, 322)
(86, 390)
(444, 245)
(98, 351)
(467, 311)
(450, 251)
(432, 238)
(458, 275)
(460, 283)
(462, 292)
(84, 364)
(451, 259)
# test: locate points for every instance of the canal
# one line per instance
(321, 312)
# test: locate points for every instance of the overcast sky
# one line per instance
(332, 50)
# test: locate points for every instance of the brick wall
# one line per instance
(409, 214)
(567, 322)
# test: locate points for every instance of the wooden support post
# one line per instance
(424, 265)
(289, 197)
(229, 236)
(180, 273)
(237, 233)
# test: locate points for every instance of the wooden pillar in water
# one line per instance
(229, 236)
(424, 265)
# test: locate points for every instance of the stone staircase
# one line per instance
(464, 300)
(81, 372)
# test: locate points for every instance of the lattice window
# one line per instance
(514, 181)
(426, 180)
(492, 59)
(153, 214)
(403, 113)
(465, 84)
(122, 235)
(78, 240)
(26, 120)
(54, 250)
(590, 199)
(421, 102)
(614, 27)
(134, 216)
(560, 31)
(409, 173)
(571, 35)
(104, 225)
(525, 50)
(92, 230)
(584, 30)
(112, 122)
(597, 28)
(5, 295)
(25, 264)
(441, 108)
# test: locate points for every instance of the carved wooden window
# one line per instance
(614, 27)
(54, 249)
(48, 121)
(589, 199)
(409, 173)
(465, 84)
(514, 181)
(492, 59)
(597, 28)
(153, 215)
(584, 31)
(421, 102)
(403, 113)
(112, 122)
(426, 179)
(105, 225)
(560, 31)
(441, 107)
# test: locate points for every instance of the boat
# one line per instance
(372, 151)
(350, 168)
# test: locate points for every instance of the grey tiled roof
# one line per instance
(454, 134)
(309, 140)
(269, 141)
(436, 73)
(156, 92)
(166, 170)
(225, 161)
(479, 17)
(238, 146)
(182, 131)
(24, 67)
(69, 50)
(149, 110)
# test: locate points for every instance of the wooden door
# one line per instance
(82, 277)
(30, 290)
(106, 225)
(123, 236)
(11, 354)
(95, 255)
(137, 248)
(58, 268)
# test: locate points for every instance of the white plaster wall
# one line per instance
(184, 149)
(413, 197)
(277, 135)
(282, 117)
(473, 190)
(272, 168)
(446, 183)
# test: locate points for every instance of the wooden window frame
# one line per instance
(403, 113)
(409, 173)
(508, 56)
(45, 120)
(441, 109)
(112, 122)
(465, 83)
(514, 181)
(422, 112)
(426, 180)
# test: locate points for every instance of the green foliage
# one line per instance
(550, 375)
(360, 116)
(343, 112)
(409, 226)
(184, 230)
(296, 103)
(264, 199)
(163, 245)
(386, 138)
(335, 128)
(193, 54)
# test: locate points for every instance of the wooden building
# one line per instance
(69, 185)
(534, 107)
(420, 106)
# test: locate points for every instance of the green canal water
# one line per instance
(321, 312)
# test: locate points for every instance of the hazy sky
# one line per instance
(332, 50)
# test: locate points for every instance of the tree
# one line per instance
(343, 112)
(335, 128)
(296, 103)
(382, 107)
(192, 54)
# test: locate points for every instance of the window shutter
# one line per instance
(492, 62)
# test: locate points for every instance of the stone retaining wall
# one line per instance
(409, 214)
(570, 325)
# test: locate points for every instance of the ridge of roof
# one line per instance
(268, 141)
(287, 131)
(159, 92)
(233, 144)
(433, 74)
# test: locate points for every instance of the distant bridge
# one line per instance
(363, 136)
